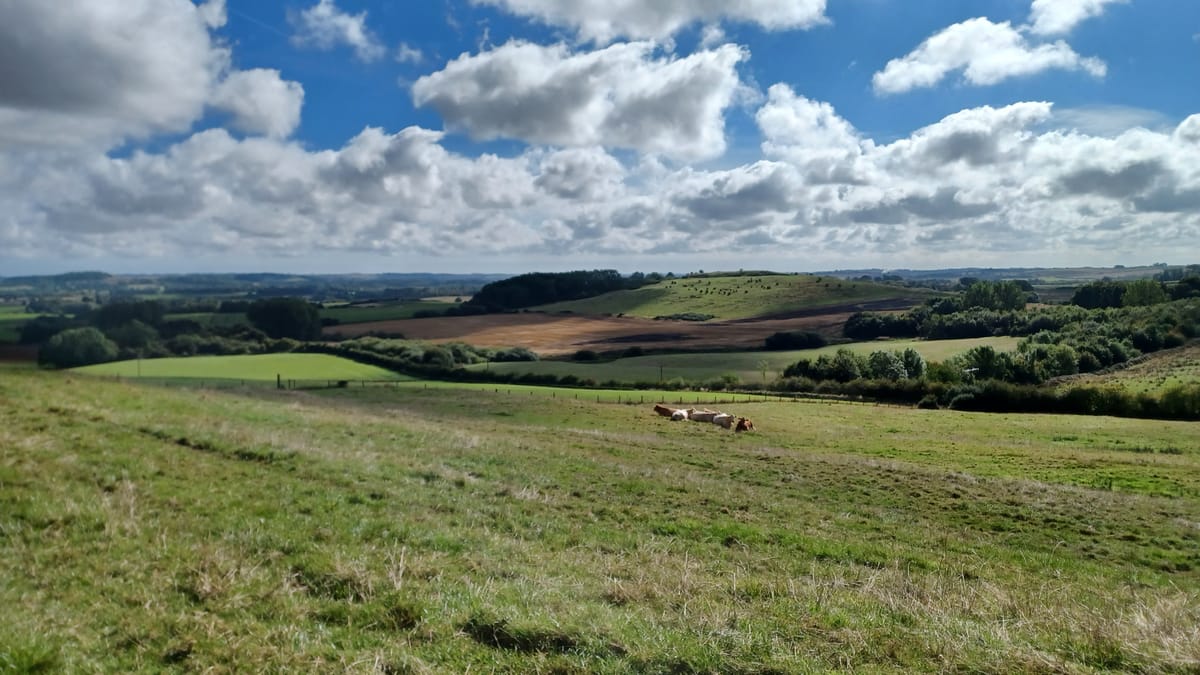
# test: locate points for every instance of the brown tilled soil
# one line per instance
(552, 334)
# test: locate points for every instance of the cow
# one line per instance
(702, 415)
(664, 410)
(679, 415)
(744, 424)
(723, 420)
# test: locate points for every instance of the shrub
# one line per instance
(77, 347)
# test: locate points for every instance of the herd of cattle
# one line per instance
(716, 417)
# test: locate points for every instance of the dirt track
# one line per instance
(564, 333)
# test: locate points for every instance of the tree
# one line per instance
(1143, 292)
(286, 317)
(77, 347)
(887, 366)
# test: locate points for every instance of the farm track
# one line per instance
(553, 334)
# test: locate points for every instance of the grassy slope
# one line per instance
(736, 297)
(262, 367)
(1154, 375)
(144, 529)
(704, 367)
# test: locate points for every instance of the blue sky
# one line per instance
(514, 135)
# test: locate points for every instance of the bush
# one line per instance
(928, 402)
(77, 347)
(795, 339)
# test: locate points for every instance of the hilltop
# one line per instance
(740, 296)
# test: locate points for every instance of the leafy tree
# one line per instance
(914, 363)
(286, 317)
(132, 335)
(1143, 292)
(149, 312)
(887, 366)
(1099, 294)
(77, 347)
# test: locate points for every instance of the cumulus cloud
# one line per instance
(621, 96)
(261, 102)
(985, 52)
(63, 76)
(602, 21)
(324, 26)
(1054, 17)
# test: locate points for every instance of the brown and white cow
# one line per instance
(744, 424)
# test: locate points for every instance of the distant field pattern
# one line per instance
(260, 367)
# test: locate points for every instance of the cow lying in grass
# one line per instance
(724, 420)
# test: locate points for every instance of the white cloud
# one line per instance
(75, 71)
(603, 21)
(260, 102)
(620, 96)
(324, 27)
(1055, 17)
(1108, 120)
(986, 52)
(406, 53)
(213, 12)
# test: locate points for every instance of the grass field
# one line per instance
(703, 367)
(259, 367)
(382, 312)
(12, 317)
(737, 297)
(145, 529)
(1155, 374)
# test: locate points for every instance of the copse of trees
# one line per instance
(541, 288)
(794, 339)
(77, 347)
(294, 318)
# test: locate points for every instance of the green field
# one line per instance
(1153, 374)
(12, 317)
(735, 297)
(145, 529)
(703, 367)
(259, 367)
(382, 312)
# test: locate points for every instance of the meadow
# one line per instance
(1153, 374)
(748, 367)
(739, 297)
(149, 529)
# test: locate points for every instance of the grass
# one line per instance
(259, 367)
(1155, 374)
(145, 529)
(381, 312)
(735, 297)
(12, 317)
(705, 367)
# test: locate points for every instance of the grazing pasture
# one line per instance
(740, 297)
(1154, 373)
(257, 367)
(145, 529)
(747, 366)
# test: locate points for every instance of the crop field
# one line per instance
(740, 297)
(1155, 374)
(747, 366)
(559, 334)
(256, 367)
(149, 529)
(350, 314)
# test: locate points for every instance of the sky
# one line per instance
(507, 136)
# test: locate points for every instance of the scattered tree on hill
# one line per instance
(1099, 294)
(294, 318)
(77, 347)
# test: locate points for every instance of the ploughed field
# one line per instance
(145, 529)
(557, 334)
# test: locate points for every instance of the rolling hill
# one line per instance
(736, 297)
